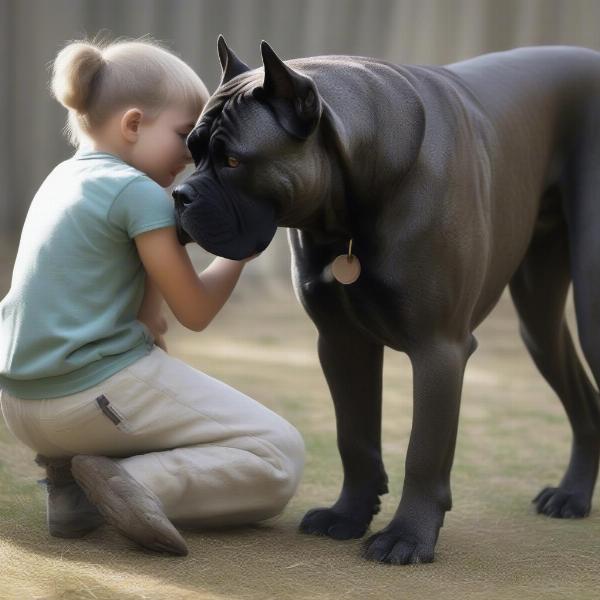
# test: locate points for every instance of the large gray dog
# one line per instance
(452, 182)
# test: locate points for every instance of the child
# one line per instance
(151, 441)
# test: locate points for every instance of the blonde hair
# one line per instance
(93, 79)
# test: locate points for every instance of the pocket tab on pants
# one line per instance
(112, 413)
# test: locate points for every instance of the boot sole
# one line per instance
(126, 504)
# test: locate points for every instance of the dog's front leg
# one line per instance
(437, 379)
(353, 369)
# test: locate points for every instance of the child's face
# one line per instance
(160, 149)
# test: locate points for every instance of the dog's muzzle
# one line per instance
(233, 228)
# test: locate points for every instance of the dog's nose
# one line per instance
(183, 194)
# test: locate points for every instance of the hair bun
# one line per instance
(73, 72)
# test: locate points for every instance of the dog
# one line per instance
(444, 184)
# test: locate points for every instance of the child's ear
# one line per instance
(130, 124)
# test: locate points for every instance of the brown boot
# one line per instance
(69, 513)
(125, 503)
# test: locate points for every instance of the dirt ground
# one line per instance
(513, 440)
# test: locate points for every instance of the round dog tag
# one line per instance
(346, 268)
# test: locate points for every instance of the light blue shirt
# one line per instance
(69, 319)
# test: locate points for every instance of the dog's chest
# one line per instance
(371, 304)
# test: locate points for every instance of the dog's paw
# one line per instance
(326, 521)
(562, 504)
(388, 546)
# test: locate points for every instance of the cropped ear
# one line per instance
(231, 65)
(293, 97)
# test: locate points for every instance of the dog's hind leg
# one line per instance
(539, 290)
(583, 218)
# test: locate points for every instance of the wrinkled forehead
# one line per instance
(238, 86)
(242, 116)
(234, 115)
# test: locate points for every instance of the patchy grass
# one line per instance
(513, 440)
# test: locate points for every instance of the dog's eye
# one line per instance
(232, 162)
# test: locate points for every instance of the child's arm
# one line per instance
(151, 315)
(194, 298)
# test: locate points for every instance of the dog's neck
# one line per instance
(335, 220)
(351, 200)
(331, 218)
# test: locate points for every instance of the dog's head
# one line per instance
(256, 155)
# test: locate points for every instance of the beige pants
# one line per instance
(211, 454)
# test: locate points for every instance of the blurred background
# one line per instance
(403, 31)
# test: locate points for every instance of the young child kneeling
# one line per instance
(85, 380)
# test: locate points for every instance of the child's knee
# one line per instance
(290, 460)
(291, 445)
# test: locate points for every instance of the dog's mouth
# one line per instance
(230, 226)
(182, 235)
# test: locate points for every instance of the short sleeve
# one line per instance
(142, 205)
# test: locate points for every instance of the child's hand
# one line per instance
(157, 324)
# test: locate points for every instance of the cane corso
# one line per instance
(450, 182)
